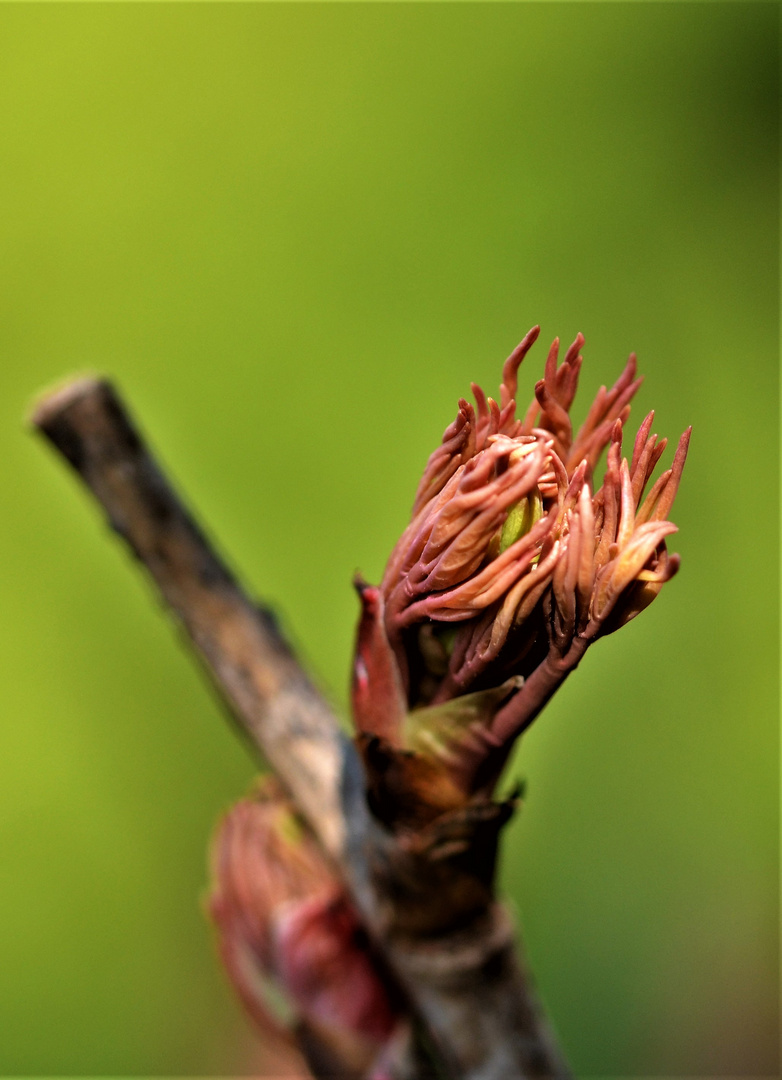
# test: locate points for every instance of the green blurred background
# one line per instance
(294, 234)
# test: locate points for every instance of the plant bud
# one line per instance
(512, 564)
(289, 937)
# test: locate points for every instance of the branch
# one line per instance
(467, 988)
(238, 642)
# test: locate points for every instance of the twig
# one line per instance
(466, 986)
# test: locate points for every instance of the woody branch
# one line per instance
(466, 987)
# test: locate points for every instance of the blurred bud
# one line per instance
(290, 940)
(508, 569)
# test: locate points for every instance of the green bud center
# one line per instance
(521, 517)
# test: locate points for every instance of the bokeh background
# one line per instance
(294, 234)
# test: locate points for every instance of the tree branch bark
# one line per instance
(472, 999)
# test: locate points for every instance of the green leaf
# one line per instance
(438, 731)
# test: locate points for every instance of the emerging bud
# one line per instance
(289, 938)
(510, 567)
